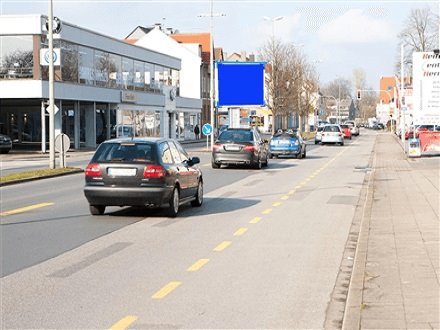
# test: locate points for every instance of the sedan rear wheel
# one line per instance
(173, 209)
(97, 209)
(199, 196)
(215, 165)
(258, 164)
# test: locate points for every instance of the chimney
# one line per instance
(251, 58)
(243, 56)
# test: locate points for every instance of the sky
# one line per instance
(335, 36)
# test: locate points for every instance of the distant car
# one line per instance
(332, 134)
(318, 134)
(353, 127)
(5, 144)
(287, 144)
(240, 146)
(149, 172)
(346, 130)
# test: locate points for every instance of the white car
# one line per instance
(354, 129)
(318, 134)
(332, 134)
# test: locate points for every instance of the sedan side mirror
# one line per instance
(194, 160)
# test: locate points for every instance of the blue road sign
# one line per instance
(207, 129)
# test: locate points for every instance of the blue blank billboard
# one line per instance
(240, 84)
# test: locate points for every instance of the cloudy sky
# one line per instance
(338, 36)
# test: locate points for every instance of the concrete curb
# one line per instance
(353, 306)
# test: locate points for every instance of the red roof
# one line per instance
(195, 38)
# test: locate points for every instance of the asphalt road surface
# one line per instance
(264, 250)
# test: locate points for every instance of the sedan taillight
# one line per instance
(216, 146)
(93, 170)
(250, 148)
(154, 171)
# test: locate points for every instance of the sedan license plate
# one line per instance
(121, 171)
(232, 147)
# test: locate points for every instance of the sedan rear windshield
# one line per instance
(236, 136)
(120, 152)
(331, 129)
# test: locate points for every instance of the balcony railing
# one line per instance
(16, 73)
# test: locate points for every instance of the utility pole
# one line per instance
(51, 91)
(211, 66)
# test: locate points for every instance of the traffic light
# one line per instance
(358, 94)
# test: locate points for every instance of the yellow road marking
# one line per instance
(291, 192)
(298, 186)
(255, 220)
(267, 211)
(25, 209)
(124, 323)
(240, 231)
(276, 204)
(303, 183)
(222, 246)
(197, 265)
(285, 197)
(166, 290)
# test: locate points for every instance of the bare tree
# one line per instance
(279, 77)
(359, 78)
(419, 34)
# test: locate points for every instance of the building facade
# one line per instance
(104, 87)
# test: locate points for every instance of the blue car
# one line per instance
(287, 144)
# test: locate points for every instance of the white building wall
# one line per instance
(190, 66)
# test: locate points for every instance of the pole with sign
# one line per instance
(207, 130)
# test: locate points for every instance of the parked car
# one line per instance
(287, 144)
(332, 134)
(150, 172)
(318, 134)
(5, 144)
(240, 146)
(346, 130)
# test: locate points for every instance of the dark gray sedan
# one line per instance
(5, 144)
(150, 172)
(240, 146)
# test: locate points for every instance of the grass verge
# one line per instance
(37, 174)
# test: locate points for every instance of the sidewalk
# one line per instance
(395, 281)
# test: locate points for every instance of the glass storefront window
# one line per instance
(68, 121)
(175, 80)
(139, 76)
(149, 76)
(85, 65)
(101, 122)
(16, 57)
(158, 76)
(127, 73)
(115, 69)
(101, 68)
(69, 62)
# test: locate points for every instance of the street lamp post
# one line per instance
(273, 20)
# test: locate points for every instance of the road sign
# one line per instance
(62, 143)
(207, 129)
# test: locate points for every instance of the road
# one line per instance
(264, 251)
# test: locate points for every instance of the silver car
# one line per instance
(318, 134)
(332, 134)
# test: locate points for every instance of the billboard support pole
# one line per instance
(211, 73)
(402, 90)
